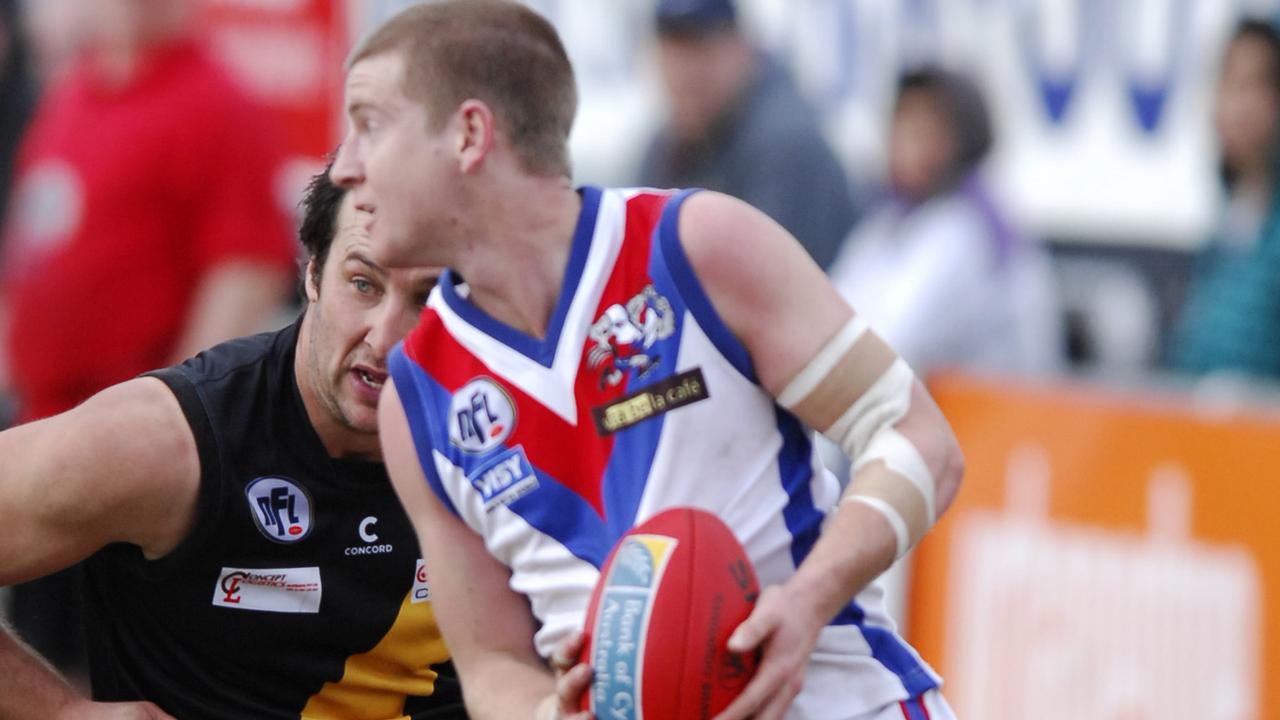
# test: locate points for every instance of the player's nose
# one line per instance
(346, 171)
(385, 330)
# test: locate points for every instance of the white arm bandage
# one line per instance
(855, 390)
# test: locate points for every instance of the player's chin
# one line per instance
(362, 418)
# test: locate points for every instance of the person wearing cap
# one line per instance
(738, 125)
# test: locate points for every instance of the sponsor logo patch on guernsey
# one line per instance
(285, 590)
(481, 416)
(421, 590)
(675, 392)
(504, 478)
(280, 507)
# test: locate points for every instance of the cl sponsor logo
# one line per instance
(230, 583)
(231, 587)
(481, 416)
(281, 508)
(288, 590)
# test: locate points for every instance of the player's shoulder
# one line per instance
(714, 226)
(258, 354)
(239, 388)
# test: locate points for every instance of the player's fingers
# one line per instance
(776, 706)
(767, 682)
(570, 687)
(565, 655)
(762, 621)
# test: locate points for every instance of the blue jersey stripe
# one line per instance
(671, 254)
(408, 377)
(627, 474)
(795, 469)
(804, 521)
(561, 513)
(889, 650)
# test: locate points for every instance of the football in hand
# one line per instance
(669, 595)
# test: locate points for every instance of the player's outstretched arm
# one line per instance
(821, 362)
(31, 690)
(122, 467)
(487, 626)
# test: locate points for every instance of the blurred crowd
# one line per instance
(141, 220)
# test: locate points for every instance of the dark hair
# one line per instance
(496, 51)
(966, 111)
(1266, 33)
(319, 224)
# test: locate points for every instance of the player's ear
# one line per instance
(475, 133)
(311, 281)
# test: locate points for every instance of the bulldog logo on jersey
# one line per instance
(481, 416)
(624, 336)
(280, 507)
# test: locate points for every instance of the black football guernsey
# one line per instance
(298, 593)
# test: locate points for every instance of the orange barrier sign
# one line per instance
(1111, 557)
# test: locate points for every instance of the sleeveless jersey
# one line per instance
(299, 591)
(638, 399)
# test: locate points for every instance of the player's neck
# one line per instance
(515, 269)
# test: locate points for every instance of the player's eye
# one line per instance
(362, 285)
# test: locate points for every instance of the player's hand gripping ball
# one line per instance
(671, 592)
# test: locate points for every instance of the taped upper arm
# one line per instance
(121, 467)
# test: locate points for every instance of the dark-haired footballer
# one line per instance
(247, 557)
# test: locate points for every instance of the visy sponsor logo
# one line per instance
(280, 507)
(504, 479)
(481, 416)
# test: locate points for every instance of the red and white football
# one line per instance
(671, 592)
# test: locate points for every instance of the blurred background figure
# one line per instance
(1230, 322)
(56, 31)
(144, 226)
(17, 101)
(937, 267)
(17, 93)
(737, 124)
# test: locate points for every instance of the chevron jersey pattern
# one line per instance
(638, 399)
